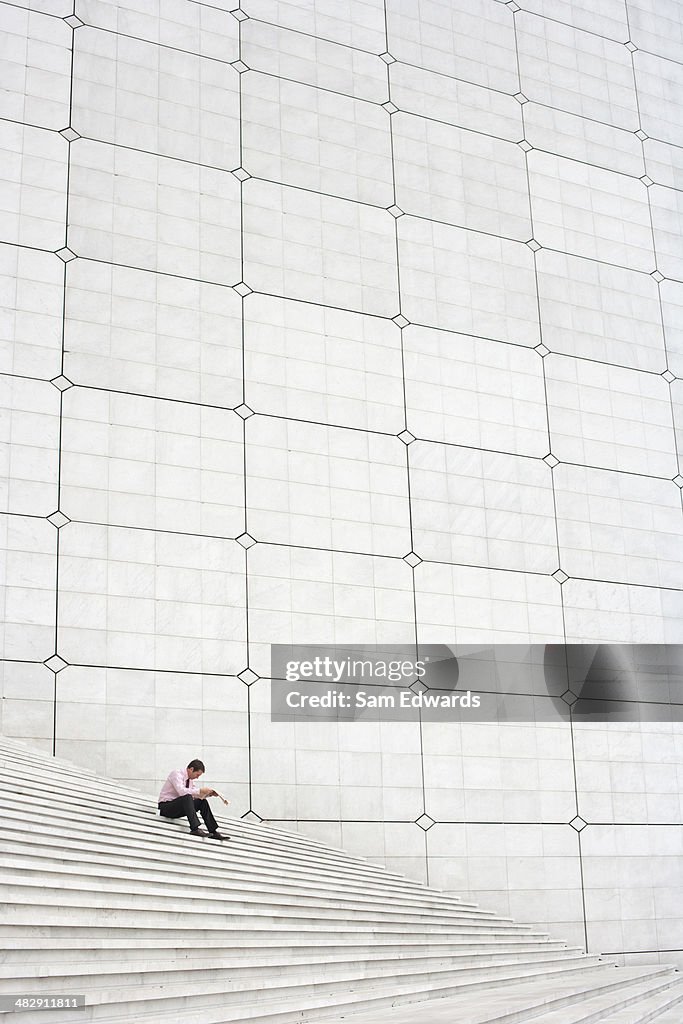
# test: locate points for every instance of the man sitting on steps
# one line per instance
(180, 796)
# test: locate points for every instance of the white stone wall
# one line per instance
(247, 255)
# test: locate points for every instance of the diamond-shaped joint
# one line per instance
(387, 57)
(406, 437)
(239, 66)
(569, 698)
(253, 817)
(58, 519)
(647, 180)
(417, 686)
(62, 383)
(242, 288)
(246, 540)
(560, 576)
(240, 173)
(526, 146)
(678, 480)
(244, 410)
(55, 663)
(533, 244)
(542, 350)
(390, 107)
(73, 21)
(395, 211)
(412, 559)
(640, 134)
(657, 276)
(550, 460)
(70, 134)
(578, 823)
(521, 98)
(66, 254)
(400, 320)
(513, 6)
(248, 676)
(425, 821)
(669, 376)
(239, 14)
(631, 46)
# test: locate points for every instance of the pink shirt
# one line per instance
(176, 785)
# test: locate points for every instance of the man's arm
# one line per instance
(177, 780)
(212, 792)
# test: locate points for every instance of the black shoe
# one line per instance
(198, 832)
(217, 835)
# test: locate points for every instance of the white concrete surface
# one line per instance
(353, 218)
(145, 921)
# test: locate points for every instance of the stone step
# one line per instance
(233, 878)
(295, 1001)
(79, 923)
(26, 751)
(76, 889)
(84, 976)
(139, 817)
(78, 908)
(153, 832)
(634, 1006)
(32, 786)
(25, 951)
(61, 775)
(261, 865)
(560, 1001)
(100, 795)
(166, 843)
(271, 929)
(671, 1015)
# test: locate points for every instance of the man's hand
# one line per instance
(211, 792)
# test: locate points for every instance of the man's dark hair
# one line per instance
(197, 765)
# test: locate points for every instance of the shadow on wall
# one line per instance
(598, 682)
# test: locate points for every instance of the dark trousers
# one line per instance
(187, 806)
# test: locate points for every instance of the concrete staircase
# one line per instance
(107, 900)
